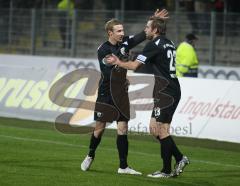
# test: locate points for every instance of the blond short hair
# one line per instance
(111, 23)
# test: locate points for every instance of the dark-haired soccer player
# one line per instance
(160, 52)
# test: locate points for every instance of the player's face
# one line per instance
(148, 30)
(117, 33)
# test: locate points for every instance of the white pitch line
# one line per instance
(216, 163)
(111, 149)
(41, 140)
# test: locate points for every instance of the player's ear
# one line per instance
(109, 33)
(155, 30)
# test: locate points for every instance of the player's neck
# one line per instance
(112, 41)
(155, 35)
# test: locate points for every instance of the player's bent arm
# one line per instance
(130, 65)
(105, 62)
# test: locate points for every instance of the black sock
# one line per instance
(94, 142)
(175, 151)
(166, 154)
(122, 145)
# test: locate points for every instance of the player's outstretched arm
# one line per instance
(130, 65)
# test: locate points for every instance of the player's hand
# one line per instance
(112, 59)
(163, 14)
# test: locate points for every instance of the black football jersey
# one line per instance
(115, 74)
(161, 53)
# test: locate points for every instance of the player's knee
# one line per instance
(122, 128)
(122, 131)
(99, 129)
(98, 132)
(153, 130)
(163, 131)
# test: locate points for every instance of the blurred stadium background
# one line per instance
(33, 152)
(32, 27)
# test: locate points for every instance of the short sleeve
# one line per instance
(102, 53)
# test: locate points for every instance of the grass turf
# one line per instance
(34, 153)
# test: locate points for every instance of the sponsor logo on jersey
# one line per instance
(122, 50)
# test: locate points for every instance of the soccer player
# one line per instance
(113, 91)
(160, 53)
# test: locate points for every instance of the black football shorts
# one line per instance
(164, 107)
(108, 109)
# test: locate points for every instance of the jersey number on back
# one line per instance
(171, 55)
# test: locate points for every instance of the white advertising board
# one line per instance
(208, 108)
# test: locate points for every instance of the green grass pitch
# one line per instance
(34, 153)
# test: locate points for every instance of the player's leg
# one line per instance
(122, 146)
(166, 153)
(168, 148)
(94, 142)
(122, 143)
(161, 132)
(96, 137)
(164, 135)
(181, 160)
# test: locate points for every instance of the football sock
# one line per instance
(166, 154)
(94, 142)
(175, 151)
(122, 146)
